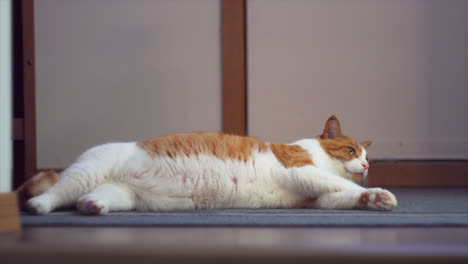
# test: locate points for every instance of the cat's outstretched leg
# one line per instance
(374, 199)
(314, 182)
(335, 192)
(107, 197)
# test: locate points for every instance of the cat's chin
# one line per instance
(356, 173)
(359, 178)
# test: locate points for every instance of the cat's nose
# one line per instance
(365, 165)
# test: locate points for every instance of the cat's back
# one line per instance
(115, 152)
(220, 145)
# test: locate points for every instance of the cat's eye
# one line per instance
(351, 150)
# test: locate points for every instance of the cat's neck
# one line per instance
(320, 158)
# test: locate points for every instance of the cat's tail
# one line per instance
(35, 186)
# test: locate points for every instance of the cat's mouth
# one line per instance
(359, 177)
(357, 173)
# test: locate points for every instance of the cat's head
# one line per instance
(350, 155)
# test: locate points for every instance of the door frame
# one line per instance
(24, 98)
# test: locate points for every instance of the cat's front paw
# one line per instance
(89, 205)
(39, 205)
(377, 199)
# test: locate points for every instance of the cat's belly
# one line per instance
(206, 182)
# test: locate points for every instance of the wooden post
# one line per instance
(234, 66)
(24, 99)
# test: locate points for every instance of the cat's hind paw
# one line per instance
(377, 199)
(39, 205)
(90, 206)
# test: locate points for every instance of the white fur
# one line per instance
(122, 176)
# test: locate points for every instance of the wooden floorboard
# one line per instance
(235, 245)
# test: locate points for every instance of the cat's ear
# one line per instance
(332, 128)
(366, 144)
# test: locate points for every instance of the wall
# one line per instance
(115, 70)
(395, 72)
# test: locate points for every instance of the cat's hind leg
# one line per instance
(72, 184)
(105, 198)
(93, 168)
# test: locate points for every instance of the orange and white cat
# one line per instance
(213, 170)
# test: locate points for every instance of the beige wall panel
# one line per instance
(122, 70)
(394, 71)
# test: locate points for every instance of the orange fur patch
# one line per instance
(357, 177)
(36, 185)
(338, 148)
(221, 145)
(291, 155)
(363, 201)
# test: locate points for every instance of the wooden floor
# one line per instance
(234, 245)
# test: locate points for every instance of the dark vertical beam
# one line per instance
(29, 81)
(24, 99)
(234, 66)
(18, 95)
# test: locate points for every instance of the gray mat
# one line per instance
(417, 207)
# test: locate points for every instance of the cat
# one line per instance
(205, 170)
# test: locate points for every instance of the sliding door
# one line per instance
(124, 70)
